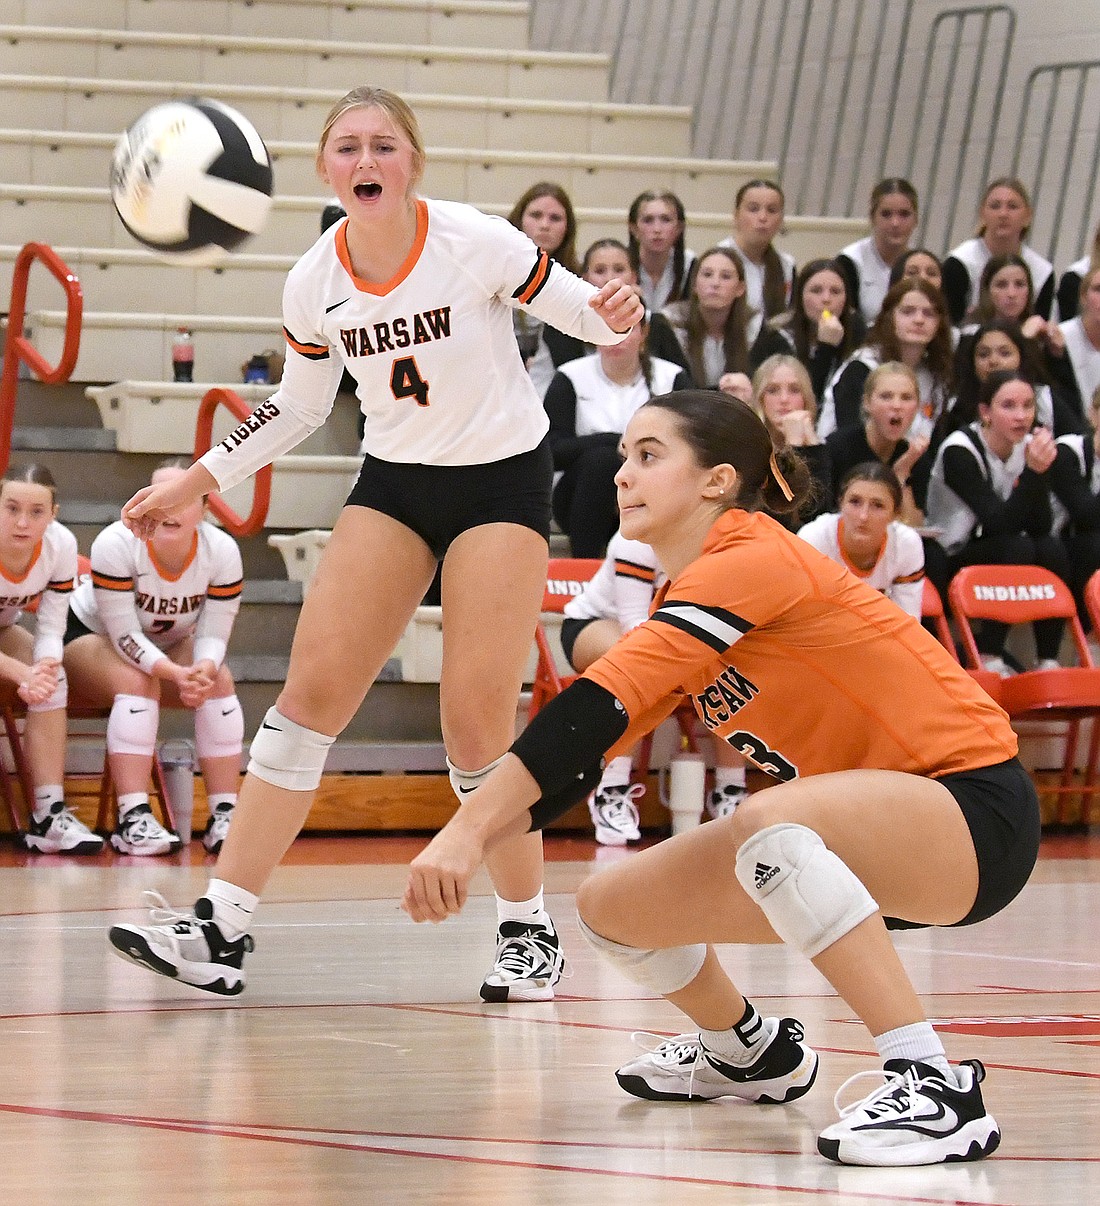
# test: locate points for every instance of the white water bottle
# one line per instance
(177, 763)
(687, 778)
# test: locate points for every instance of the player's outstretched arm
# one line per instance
(152, 505)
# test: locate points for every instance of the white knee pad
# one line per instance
(661, 972)
(58, 699)
(810, 897)
(285, 754)
(219, 728)
(132, 725)
(465, 782)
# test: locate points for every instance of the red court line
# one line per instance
(200, 1128)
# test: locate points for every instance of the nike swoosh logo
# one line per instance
(138, 711)
(272, 727)
(465, 791)
(229, 711)
(336, 305)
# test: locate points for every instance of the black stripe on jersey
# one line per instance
(541, 265)
(631, 569)
(111, 581)
(714, 626)
(227, 590)
(311, 351)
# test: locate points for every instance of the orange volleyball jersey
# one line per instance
(799, 665)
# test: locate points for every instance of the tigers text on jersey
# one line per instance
(145, 610)
(622, 588)
(49, 579)
(440, 377)
(899, 570)
(799, 665)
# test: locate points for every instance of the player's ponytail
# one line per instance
(722, 430)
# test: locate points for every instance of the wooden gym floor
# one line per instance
(359, 1066)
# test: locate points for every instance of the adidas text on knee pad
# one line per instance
(810, 897)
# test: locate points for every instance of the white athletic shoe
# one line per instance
(217, 828)
(682, 1069)
(60, 832)
(614, 813)
(915, 1117)
(528, 963)
(185, 946)
(723, 801)
(139, 832)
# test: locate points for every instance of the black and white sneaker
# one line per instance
(682, 1069)
(60, 832)
(185, 946)
(139, 832)
(217, 828)
(915, 1117)
(723, 801)
(528, 963)
(614, 813)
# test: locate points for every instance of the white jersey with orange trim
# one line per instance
(145, 610)
(797, 664)
(622, 588)
(49, 581)
(440, 377)
(899, 570)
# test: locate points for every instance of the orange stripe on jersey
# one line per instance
(535, 281)
(407, 265)
(230, 590)
(63, 586)
(107, 582)
(17, 578)
(916, 576)
(311, 351)
(641, 573)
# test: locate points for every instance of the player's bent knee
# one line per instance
(810, 897)
(219, 728)
(288, 755)
(664, 972)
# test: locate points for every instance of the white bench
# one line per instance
(306, 491)
(500, 23)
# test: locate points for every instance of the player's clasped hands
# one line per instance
(618, 305)
(40, 683)
(439, 876)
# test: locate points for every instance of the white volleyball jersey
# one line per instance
(622, 588)
(974, 255)
(439, 373)
(1084, 356)
(873, 273)
(606, 405)
(48, 580)
(899, 570)
(145, 610)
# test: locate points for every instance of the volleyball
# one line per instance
(191, 180)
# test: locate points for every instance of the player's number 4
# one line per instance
(406, 381)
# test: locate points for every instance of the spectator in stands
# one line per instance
(545, 215)
(1075, 482)
(589, 402)
(783, 397)
(457, 469)
(713, 333)
(990, 498)
(867, 263)
(38, 570)
(1069, 287)
(605, 260)
(656, 223)
(151, 627)
(1078, 371)
(866, 535)
(912, 327)
(1005, 291)
(1003, 222)
(757, 219)
(918, 262)
(891, 399)
(822, 326)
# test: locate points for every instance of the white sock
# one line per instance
(233, 907)
(531, 911)
(131, 800)
(617, 772)
(743, 1042)
(45, 798)
(728, 776)
(225, 799)
(917, 1041)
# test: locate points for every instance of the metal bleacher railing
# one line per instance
(843, 92)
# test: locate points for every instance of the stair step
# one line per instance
(62, 439)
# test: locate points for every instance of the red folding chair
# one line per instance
(932, 609)
(1019, 594)
(565, 579)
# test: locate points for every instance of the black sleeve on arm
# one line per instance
(848, 393)
(956, 288)
(1044, 301)
(564, 744)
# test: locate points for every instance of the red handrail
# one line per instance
(204, 433)
(18, 348)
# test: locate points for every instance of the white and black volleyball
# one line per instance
(192, 179)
